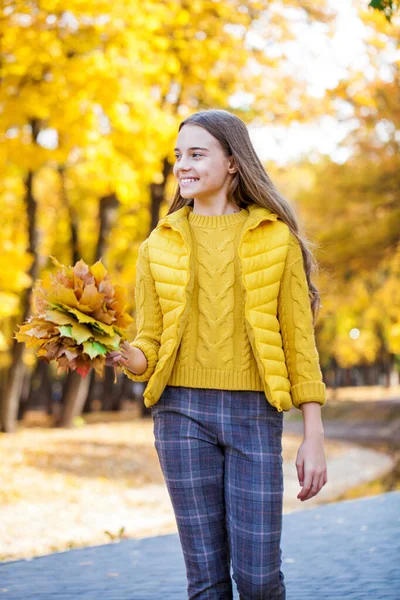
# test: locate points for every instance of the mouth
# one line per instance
(185, 181)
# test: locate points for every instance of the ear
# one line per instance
(232, 168)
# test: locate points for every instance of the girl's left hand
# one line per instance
(311, 466)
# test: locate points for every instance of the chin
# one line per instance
(187, 195)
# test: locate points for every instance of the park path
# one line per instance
(341, 550)
(53, 473)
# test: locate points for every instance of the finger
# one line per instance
(306, 487)
(111, 360)
(324, 479)
(300, 472)
(321, 481)
(111, 363)
(315, 487)
(313, 491)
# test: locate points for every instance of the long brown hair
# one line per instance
(251, 183)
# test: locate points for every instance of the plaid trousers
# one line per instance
(220, 452)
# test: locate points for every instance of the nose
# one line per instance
(182, 168)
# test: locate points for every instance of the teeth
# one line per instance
(188, 180)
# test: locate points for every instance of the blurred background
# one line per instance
(91, 97)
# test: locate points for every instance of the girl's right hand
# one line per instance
(124, 357)
(112, 358)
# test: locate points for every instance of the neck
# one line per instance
(215, 209)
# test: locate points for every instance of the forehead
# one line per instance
(195, 136)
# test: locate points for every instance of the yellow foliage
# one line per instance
(105, 90)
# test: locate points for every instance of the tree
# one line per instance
(387, 7)
(106, 92)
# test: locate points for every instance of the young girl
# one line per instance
(225, 338)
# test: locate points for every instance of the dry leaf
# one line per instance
(81, 317)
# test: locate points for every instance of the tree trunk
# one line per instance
(73, 218)
(74, 397)
(91, 393)
(120, 393)
(107, 392)
(12, 391)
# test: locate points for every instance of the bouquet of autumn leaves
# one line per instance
(80, 318)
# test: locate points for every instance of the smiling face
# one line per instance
(201, 167)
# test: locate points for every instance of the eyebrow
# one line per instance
(194, 148)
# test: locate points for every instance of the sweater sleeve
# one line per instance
(296, 322)
(148, 316)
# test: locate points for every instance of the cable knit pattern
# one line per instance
(295, 316)
(215, 344)
(215, 268)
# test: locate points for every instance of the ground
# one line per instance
(102, 481)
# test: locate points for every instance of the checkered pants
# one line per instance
(220, 452)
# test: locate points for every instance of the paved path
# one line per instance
(343, 550)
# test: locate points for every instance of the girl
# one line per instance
(225, 338)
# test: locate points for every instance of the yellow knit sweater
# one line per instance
(215, 351)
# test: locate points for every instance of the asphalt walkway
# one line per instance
(343, 550)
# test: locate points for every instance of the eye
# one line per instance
(194, 154)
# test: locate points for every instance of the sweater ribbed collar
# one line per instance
(178, 218)
(215, 221)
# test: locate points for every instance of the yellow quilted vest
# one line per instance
(263, 248)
